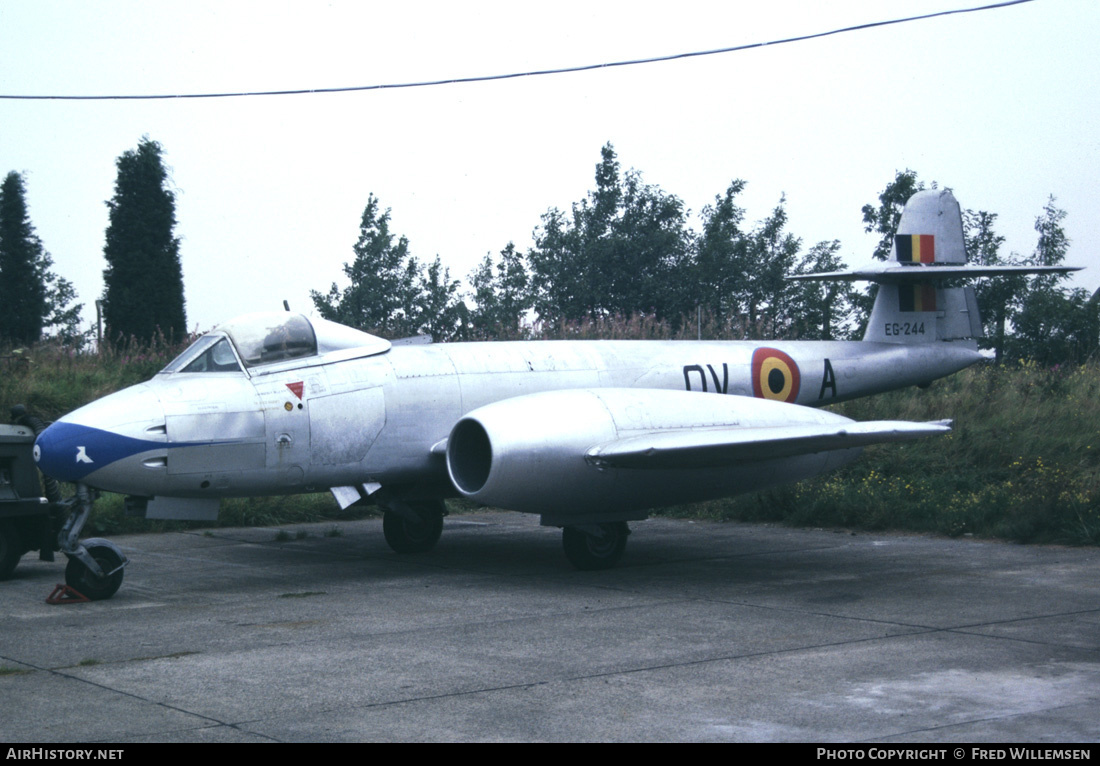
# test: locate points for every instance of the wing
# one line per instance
(893, 272)
(716, 447)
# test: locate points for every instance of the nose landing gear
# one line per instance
(96, 586)
(48, 524)
(95, 565)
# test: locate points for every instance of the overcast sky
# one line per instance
(1002, 106)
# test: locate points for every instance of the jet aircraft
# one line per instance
(588, 434)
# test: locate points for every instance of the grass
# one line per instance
(51, 381)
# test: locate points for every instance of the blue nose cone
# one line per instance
(100, 434)
(70, 451)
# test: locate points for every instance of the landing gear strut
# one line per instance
(95, 565)
(595, 546)
(413, 526)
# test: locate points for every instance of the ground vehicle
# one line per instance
(25, 513)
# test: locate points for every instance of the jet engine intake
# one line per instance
(528, 453)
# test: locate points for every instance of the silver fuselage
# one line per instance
(380, 419)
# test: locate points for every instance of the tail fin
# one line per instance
(912, 305)
(930, 230)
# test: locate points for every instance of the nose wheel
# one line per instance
(80, 577)
(95, 565)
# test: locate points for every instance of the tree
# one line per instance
(501, 295)
(821, 310)
(381, 296)
(63, 319)
(33, 299)
(624, 250)
(996, 296)
(1053, 325)
(560, 288)
(389, 292)
(143, 281)
(765, 291)
(443, 315)
(722, 256)
(1053, 243)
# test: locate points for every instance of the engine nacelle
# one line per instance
(530, 453)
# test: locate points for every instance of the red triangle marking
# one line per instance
(296, 388)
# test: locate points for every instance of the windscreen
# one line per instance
(210, 353)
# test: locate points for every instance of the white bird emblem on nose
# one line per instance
(82, 456)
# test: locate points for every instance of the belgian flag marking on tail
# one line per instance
(774, 375)
(915, 248)
(919, 296)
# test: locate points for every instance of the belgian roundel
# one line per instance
(774, 375)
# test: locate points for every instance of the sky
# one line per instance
(1000, 105)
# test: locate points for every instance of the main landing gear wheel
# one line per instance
(598, 547)
(406, 535)
(80, 578)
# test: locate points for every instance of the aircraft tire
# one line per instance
(10, 548)
(591, 552)
(404, 537)
(80, 578)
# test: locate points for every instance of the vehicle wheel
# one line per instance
(589, 552)
(405, 536)
(11, 548)
(80, 578)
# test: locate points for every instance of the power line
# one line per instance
(515, 75)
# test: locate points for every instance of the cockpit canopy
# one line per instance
(257, 340)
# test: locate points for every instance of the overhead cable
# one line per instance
(516, 75)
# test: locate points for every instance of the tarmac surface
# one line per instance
(704, 632)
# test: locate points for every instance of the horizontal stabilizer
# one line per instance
(716, 447)
(892, 273)
(930, 246)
